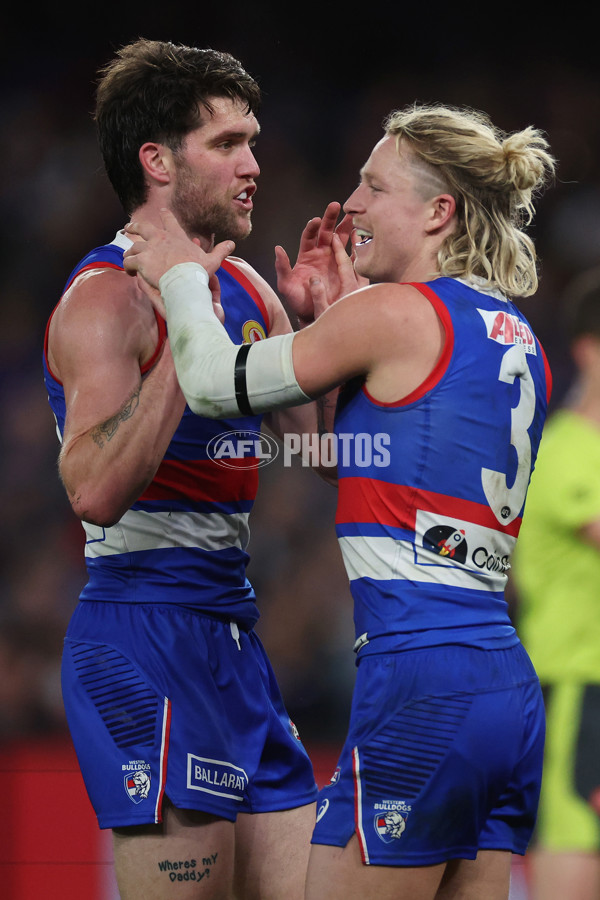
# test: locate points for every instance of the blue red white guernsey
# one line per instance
(166, 687)
(184, 540)
(445, 744)
(427, 525)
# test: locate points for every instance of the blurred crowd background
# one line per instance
(328, 78)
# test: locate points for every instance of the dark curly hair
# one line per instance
(154, 91)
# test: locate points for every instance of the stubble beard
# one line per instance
(201, 218)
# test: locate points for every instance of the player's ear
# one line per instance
(442, 211)
(156, 161)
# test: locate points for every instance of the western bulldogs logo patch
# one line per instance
(389, 826)
(137, 785)
(390, 819)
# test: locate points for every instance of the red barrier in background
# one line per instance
(50, 845)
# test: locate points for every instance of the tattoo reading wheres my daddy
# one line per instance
(188, 869)
(107, 430)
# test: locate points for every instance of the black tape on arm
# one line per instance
(241, 389)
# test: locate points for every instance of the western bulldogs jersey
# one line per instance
(427, 520)
(184, 540)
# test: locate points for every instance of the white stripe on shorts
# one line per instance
(364, 852)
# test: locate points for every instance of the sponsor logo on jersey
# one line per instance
(253, 331)
(137, 780)
(485, 550)
(216, 776)
(361, 641)
(505, 328)
(447, 541)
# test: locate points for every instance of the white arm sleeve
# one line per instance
(220, 379)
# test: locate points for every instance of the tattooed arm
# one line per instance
(118, 425)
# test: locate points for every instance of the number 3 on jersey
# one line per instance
(506, 503)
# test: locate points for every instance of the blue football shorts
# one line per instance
(163, 700)
(443, 757)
